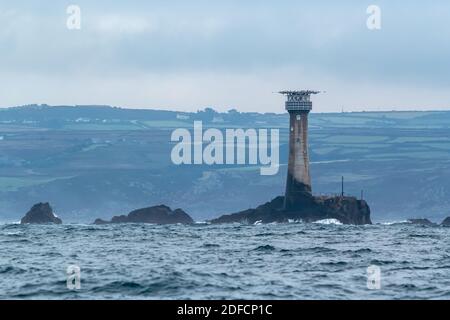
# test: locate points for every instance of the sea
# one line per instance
(295, 260)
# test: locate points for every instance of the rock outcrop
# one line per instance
(446, 222)
(347, 210)
(422, 222)
(157, 215)
(40, 213)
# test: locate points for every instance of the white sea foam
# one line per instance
(329, 221)
(389, 223)
(202, 222)
(9, 222)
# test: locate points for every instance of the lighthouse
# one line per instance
(298, 184)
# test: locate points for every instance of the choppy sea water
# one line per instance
(278, 261)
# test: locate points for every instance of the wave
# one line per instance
(266, 247)
(329, 221)
(267, 234)
(11, 269)
(362, 250)
(4, 223)
(210, 245)
(390, 223)
(17, 241)
(334, 263)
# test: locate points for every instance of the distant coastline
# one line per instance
(59, 154)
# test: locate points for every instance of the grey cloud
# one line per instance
(141, 38)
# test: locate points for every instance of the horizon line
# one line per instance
(314, 111)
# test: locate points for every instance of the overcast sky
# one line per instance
(187, 55)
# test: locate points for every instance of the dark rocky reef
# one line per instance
(307, 208)
(422, 222)
(41, 213)
(446, 222)
(157, 215)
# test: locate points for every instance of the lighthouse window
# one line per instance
(298, 117)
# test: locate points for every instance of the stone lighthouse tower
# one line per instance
(298, 184)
